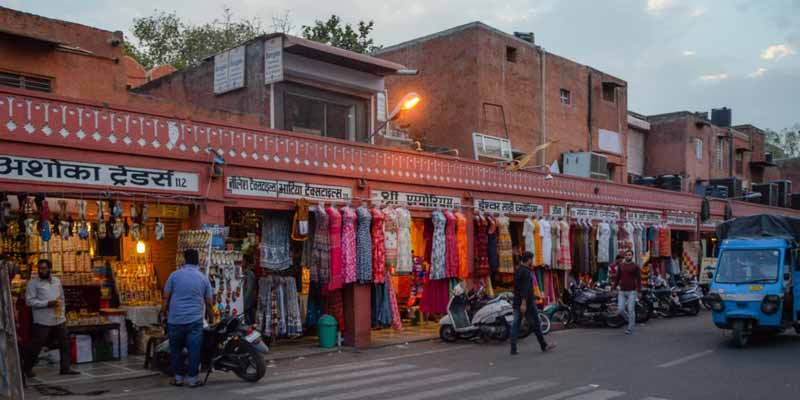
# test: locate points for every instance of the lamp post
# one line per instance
(408, 102)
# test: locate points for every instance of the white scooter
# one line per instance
(474, 316)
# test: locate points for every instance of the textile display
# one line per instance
(278, 312)
(274, 246)
(364, 245)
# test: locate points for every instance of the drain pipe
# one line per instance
(543, 73)
(589, 109)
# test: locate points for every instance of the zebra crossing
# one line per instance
(406, 381)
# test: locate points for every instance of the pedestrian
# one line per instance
(45, 296)
(186, 293)
(523, 291)
(628, 281)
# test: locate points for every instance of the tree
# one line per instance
(786, 142)
(164, 38)
(343, 36)
(283, 23)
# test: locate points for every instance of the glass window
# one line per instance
(565, 96)
(698, 148)
(318, 117)
(748, 266)
(339, 121)
(609, 92)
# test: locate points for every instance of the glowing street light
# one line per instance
(408, 102)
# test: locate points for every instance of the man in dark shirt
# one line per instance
(629, 281)
(523, 290)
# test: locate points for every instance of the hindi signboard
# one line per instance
(644, 216)
(229, 67)
(273, 60)
(682, 219)
(593, 213)
(114, 176)
(558, 211)
(246, 186)
(415, 199)
(509, 207)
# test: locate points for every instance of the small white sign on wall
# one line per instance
(273, 60)
(609, 141)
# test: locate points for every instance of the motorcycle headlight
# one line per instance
(715, 300)
(770, 304)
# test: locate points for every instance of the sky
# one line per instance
(676, 55)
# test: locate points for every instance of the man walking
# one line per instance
(45, 296)
(629, 283)
(523, 290)
(186, 293)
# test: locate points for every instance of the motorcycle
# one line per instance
(581, 305)
(667, 301)
(229, 345)
(472, 316)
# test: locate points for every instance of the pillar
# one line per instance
(357, 315)
(209, 212)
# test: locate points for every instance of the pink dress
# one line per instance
(378, 247)
(451, 245)
(335, 226)
(349, 218)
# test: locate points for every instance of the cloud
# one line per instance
(689, 53)
(776, 52)
(714, 77)
(758, 73)
(657, 6)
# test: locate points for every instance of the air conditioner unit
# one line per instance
(586, 165)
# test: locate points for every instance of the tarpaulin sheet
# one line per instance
(761, 225)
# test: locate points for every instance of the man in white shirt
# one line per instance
(45, 296)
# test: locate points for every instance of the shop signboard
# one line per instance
(229, 70)
(593, 213)
(420, 200)
(509, 207)
(273, 60)
(246, 186)
(682, 219)
(707, 270)
(558, 211)
(712, 223)
(644, 216)
(111, 176)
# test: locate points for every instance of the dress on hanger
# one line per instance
(547, 243)
(364, 245)
(603, 238)
(504, 246)
(461, 237)
(538, 259)
(335, 225)
(378, 247)
(555, 231)
(494, 259)
(349, 266)
(565, 251)
(390, 235)
(274, 247)
(405, 260)
(451, 245)
(438, 252)
(482, 248)
(321, 255)
(527, 233)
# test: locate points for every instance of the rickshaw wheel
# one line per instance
(740, 335)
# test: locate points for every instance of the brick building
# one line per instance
(475, 78)
(638, 130)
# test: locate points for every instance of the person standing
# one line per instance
(45, 296)
(628, 280)
(186, 293)
(523, 291)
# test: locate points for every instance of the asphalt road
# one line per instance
(682, 358)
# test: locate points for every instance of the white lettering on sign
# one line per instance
(380, 106)
(415, 199)
(244, 186)
(557, 211)
(644, 217)
(59, 171)
(681, 219)
(229, 70)
(712, 223)
(273, 60)
(509, 207)
(593, 213)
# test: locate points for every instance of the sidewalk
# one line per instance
(129, 368)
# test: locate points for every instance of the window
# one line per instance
(26, 82)
(511, 54)
(306, 109)
(491, 147)
(718, 153)
(698, 148)
(739, 162)
(609, 92)
(565, 96)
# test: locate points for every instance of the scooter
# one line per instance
(673, 301)
(476, 317)
(229, 345)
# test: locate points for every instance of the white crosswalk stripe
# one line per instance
(568, 393)
(598, 395)
(506, 393)
(324, 378)
(360, 394)
(452, 389)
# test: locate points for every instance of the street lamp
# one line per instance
(408, 102)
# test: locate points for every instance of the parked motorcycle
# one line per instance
(473, 315)
(582, 305)
(669, 301)
(229, 345)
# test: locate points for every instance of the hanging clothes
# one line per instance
(321, 254)
(451, 245)
(505, 248)
(404, 256)
(274, 247)
(637, 244)
(349, 266)
(527, 234)
(565, 250)
(390, 235)
(538, 257)
(664, 242)
(587, 245)
(437, 294)
(603, 239)
(278, 311)
(364, 245)
(593, 250)
(614, 242)
(335, 240)
(481, 248)
(652, 238)
(547, 242)
(555, 243)
(438, 252)
(381, 308)
(378, 247)
(492, 251)
(397, 322)
(418, 238)
(462, 243)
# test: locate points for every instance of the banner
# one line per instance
(244, 186)
(682, 219)
(593, 213)
(415, 199)
(644, 216)
(509, 207)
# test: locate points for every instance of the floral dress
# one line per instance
(349, 244)
(378, 247)
(451, 245)
(390, 236)
(364, 245)
(482, 248)
(504, 247)
(335, 240)
(404, 257)
(438, 252)
(321, 253)
(461, 238)
(274, 247)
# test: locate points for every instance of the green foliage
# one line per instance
(333, 32)
(786, 143)
(164, 38)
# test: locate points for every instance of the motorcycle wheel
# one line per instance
(545, 324)
(740, 335)
(615, 321)
(253, 367)
(504, 330)
(563, 316)
(694, 309)
(524, 328)
(448, 333)
(642, 313)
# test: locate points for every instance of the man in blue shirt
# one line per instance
(186, 294)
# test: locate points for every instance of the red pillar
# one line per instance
(209, 212)
(357, 315)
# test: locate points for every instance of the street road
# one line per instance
(681, 358)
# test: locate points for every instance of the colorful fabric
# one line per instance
(451, 245)
(527, 234)
(565, 250)
(274, 247)
(378, 247)
(349, 264)
(390, 235)
(335, 240)
(364, 245)
(418, 237)
(603, 238)
(462, 243)
(504, 247)
(397, 322)
(538, 259)
(664, 242)
(492, 251)
(321, 253)
(481, 248)
(404, 257)
(547, 242)
(438, 256)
